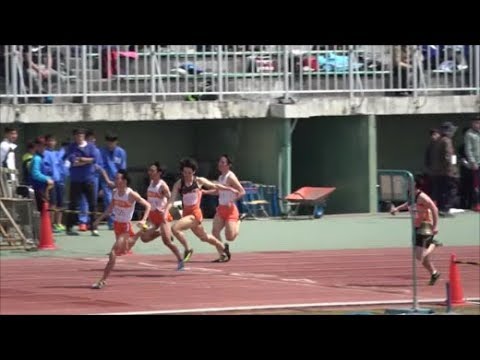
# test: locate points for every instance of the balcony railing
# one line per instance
(88, 73)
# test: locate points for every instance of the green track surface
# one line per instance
(330, 232)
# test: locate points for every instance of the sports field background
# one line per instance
(332, 232)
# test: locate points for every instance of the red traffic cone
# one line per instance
(46, 234)
(456, 289)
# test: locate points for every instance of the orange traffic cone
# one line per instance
(46, 234)
(456, 289)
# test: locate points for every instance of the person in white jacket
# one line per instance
(7, 150)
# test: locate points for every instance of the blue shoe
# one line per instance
(180, 266)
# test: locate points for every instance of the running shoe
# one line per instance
(187, 255)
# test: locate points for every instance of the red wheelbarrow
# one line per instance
(308, 196)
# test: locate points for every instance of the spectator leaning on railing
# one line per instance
(39, 66)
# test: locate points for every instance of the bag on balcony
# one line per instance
(336, 63)
(260, 64)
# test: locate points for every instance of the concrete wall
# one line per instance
(143, 141)
(253, 144)
(253, 106)
(402, 140)
(334, 151)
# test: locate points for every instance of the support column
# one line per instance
(285, 157)
(372, 164)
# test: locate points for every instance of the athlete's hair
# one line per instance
(419, 181)
(229, 160)
(125, 175)
(188, 163)
(160, 168)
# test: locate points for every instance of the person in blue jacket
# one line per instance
(81, 155)
(40, 181)
(114, 158)
(84, 217)
(54, 169)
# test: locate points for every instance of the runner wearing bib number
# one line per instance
(227, 215)
(426, 220)
(158, 194)
(122, 207)
(189, 188)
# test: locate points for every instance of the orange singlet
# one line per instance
(158, 201)
(227, 210)
(423, 213)
(191, 198)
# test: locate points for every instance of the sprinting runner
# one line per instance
(426, 220)
(227, 215)
(123, 207)
(158, 194)
(189, 187)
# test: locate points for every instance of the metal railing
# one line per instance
(89, 73)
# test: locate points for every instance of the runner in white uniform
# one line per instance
(227, 215)
(123, 207)
(158, 194)
(189, 187)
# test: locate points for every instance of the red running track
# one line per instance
(149, 283)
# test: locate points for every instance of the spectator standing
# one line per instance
(114, 158)
(444, 169)
(472, 153)
(81, 156)
(7, 150)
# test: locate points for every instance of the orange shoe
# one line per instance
(82, 227)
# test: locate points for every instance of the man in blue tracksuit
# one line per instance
(81, 156)
(64, 164)
(83, 218)
(38, 177)
(114, 158)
